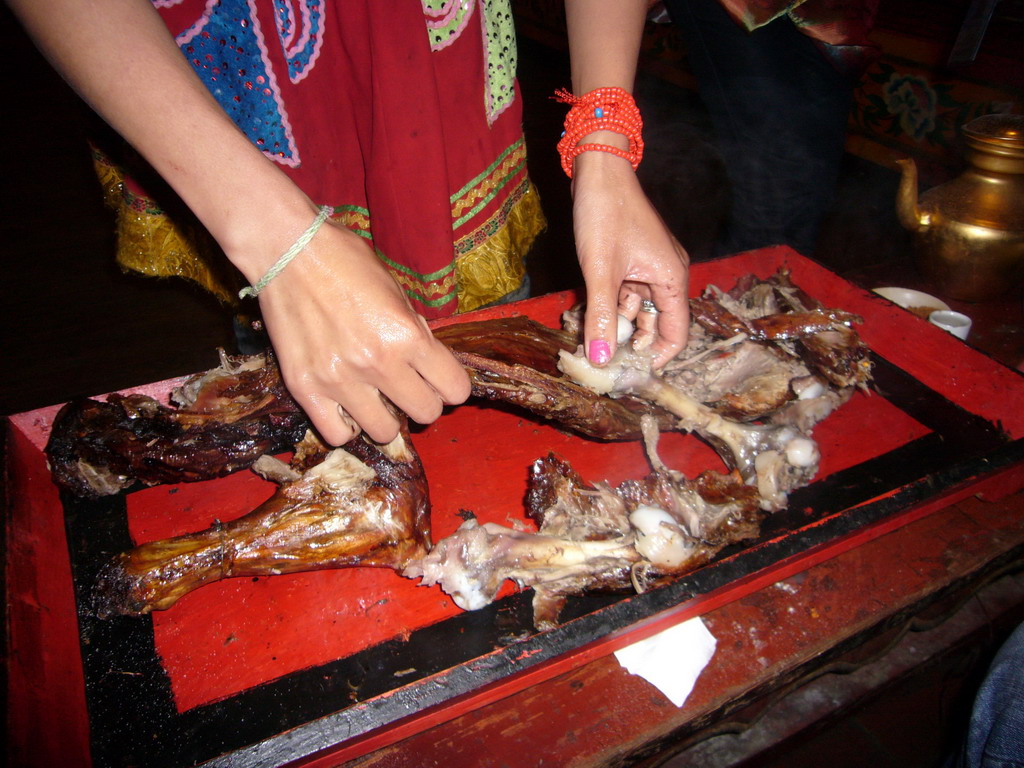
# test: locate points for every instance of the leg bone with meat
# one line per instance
(360, 505)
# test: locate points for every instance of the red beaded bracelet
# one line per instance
(603, 109)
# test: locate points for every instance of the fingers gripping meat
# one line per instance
(224, 420)
(514, 360)
(362, 505)
(786, 362)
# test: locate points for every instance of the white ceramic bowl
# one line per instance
(954, 322)
(908, 298)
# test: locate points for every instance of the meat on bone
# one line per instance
(360, 505)
(218, 422)
(226, 419)
(773, 458)
(783, 359)
(592, 538)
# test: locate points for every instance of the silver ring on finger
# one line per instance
(647, 305)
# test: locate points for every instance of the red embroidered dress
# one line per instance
(403, 115)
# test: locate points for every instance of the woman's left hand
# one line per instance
(627, 255)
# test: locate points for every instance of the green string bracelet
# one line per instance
(302, 242)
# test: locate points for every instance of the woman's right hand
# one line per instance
(346, 337)
(342, 329)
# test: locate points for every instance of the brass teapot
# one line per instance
(969, 232)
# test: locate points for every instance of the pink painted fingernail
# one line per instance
(600, 352)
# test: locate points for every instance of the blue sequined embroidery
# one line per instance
(301, 43)
(227, 49)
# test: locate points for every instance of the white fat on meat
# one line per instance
(659, 538)
(341, 472)
(187, 394)
(276, 471)
(471, 564)
(802, 452)
(346, 478)
(778, 471)
(625, 372)
(807, 387)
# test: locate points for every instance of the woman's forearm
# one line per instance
(121, 58)
(626, 252)
(604, 42)
(347, 339)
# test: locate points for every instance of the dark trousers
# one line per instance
(995, 737)
(779, 110)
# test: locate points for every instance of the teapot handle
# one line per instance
(910, 215)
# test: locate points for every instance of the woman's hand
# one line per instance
(625, 249)
(343, 330)
(627, 254)
(345, 337)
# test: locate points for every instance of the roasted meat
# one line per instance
(832, 349)
(360, 505)
(514, 360)
(738, 378)
(764, 364)
(225, 419)
(773, 458)
(219, 422)
(763, 348)
(711, 314)
(593, 538)
(788, 361)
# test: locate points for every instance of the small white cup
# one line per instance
(956, 323)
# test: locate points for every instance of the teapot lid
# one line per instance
(994, 132)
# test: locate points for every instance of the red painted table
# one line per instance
(364, 666)
(786, 632)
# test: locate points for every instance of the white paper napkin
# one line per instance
(671, 660)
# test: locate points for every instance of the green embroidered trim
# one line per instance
(487, 171)
(500, 45)
(415, 284)
(487, 230)
(448, 19)
(355, 218)
(352, 209)
(432, 303)
(516, 170)
(432, 277)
